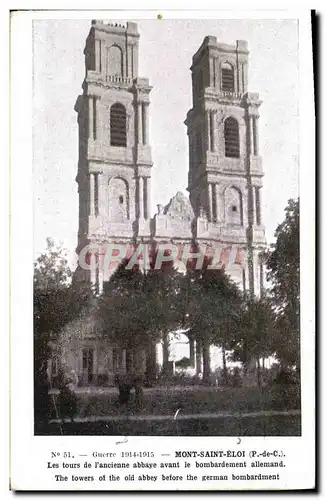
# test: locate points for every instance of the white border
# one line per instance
(29, 452)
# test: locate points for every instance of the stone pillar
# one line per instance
(258, 205)
(218, 127)
(239, 78)
(93, 265)
(139, 123)
(141, 197)
(148, 198)
(256, 145)
(130, 61)
(98, 62)
(253, 208)
(92, 193)
(97, 128)
(97, 56)
(244, 76)
(251, 272)
(133, 70)
(245, 200)
(96, 191)
(97, 278)
(90, 117)
(213, 131)
(145, 186)
(216, 201)
(207, 118)
(101, 195)
(261, 290)
(210, 202)
(145, 123)
(251, 134)
(215, 65)
(103, 63)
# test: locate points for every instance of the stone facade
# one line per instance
(114, 168)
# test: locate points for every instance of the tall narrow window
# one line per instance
(231, 138)
(227, 77)
(118, 125)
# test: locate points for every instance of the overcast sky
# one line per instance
(166, 49)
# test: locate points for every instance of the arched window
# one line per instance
(233, 206)
(118, 125)
(227, 77)
(231, 138)
(115, 61)
(118, 200)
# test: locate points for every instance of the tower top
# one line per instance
(112, 52)
(211, 45)
(115, 28)
(220, 67)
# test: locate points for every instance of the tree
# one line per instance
(226, 316)
(51, 290)
(213, 302)
(56, 302)
(283, 264)
(139, 307)
(255, 332)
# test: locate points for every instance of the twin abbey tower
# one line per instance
(115, 159)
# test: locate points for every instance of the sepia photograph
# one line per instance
(166, 232)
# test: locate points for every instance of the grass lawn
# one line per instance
(276, 425)
(166, 401)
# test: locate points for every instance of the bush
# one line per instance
(102, 379)
(286, 377)
(183, 363)
(67, 402)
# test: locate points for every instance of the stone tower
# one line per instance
(114, 172)
(114, 167)
(225, 169)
